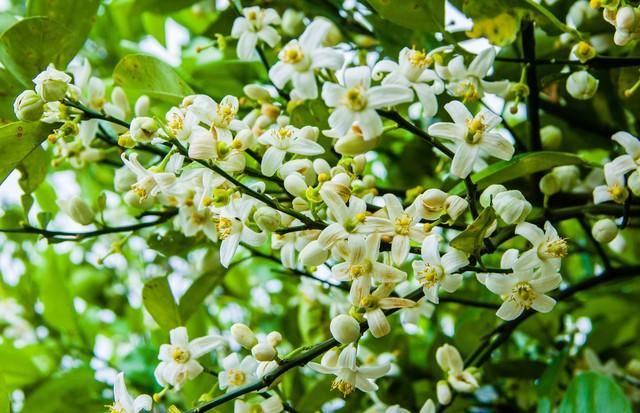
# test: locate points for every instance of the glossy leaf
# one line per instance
(142, 74)
(471, 240)
(422, 15)
(33, 169)
(160, 303)
(193, 298)
(594, 392)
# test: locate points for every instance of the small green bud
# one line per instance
(28, 106)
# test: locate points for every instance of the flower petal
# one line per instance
(497, 146)
(543, 303)
(509, 310)
(203, 345)
(272, 160)
(357, 76)
(464, 159)
(388, 95)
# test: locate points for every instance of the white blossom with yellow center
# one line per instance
(434, 271)
(355, 102)
(614, 190)
(283, 140)
(178, 360)
(472, 137)
(300, 58)
(255, 24)
(547, 250)
(123, 402)
(237, 372)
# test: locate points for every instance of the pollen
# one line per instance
(236, 377)
(430, 275)
(360, 217)
(618, 193)
(555, 249)
(180, 355)
(344, 387)
(475, 128)
(224, 226)
(292, 54)
(524, 294)
(355, 98)
(369, 302)
(419, 58)
(403, 224)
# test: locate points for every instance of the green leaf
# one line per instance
(27, 47)
(59, 311)
(421, 15)
(4, 396)
(146, 75)
(471, 240)
(33, 169)
(76, 15)
(75, 390)
(198, 292)
(594, 392)
(10, 87)
(159, 302)
(17, 368)
(230, 76)
(520, 165)
(154, 25)
(17, 141)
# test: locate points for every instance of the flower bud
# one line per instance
(634, 183)
(202, 145)
(455, 206)
(567, 175)
(28, 106)
(489, 194)
(295, 185)
(263, 352)
(604, 230)
(621, 38)
(321, 166)
(551, 137)
(443, 392)
(142, 106)
(292, 22)
(353, 144)
(582, 85)
(274, 338)
(243, 335)
(267, 367)
(549, 184)
(77, 209)
(119, 98)
(448, 358)
(299, 204)
(143, 129)
(633, 368)
(330, 358)
(359, 163)
(345, 329)
(52, 84)
(626, 19)
(132, 199)
(257, 92)
(313, 254)
(511, 206)
(431, 203)
(123, 179)
(428, 407)
(310, 132)
(268, 219)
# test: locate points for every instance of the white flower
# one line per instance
(348, 218)
(254, 26)
(193, 220)
(614, 190)
(348, 375)
(220, 117)
(411, 316)
(403, 225)
(52, 84)
(77, 209)
(471, 137)
(547, 249)
(271, 405)
(299, 59)
(178, 359)
(582, 85)
(411, 71)
(356, 102)
(283, 140)
(629, 161)
(123, 402)
(522, 289)
(236, 372)
(373, 305)
(468, 82)
(361, 266)
(232, 229)
(434, 271)
(143, 129)
(511, 205)
(450, 361)
(148, 183)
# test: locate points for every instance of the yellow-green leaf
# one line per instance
(160, 303)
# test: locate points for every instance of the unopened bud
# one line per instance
(119, 98)
(582, 85)
(345, 329)
(77, 209)
(142, 106)
(443, 392)
(274, 338)
(257, 92)
(52, 84)
(604, 230)
(455, 206)
(489, 194)
(295, 185)
(626, 19)
(551, 137)
(549, 184)
(292, 22)
(202, 145)
(313, 254)
(267, 218)
(263, 352)
(243, 335)
(28, 106)
(143, 129)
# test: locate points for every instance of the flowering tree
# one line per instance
(319, 206)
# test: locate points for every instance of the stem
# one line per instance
(410, 127)
(553, 19)
(599, 62)
(533, 100)
(77, 236)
